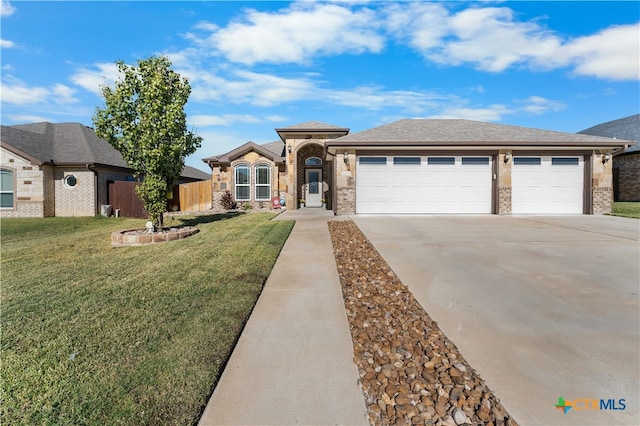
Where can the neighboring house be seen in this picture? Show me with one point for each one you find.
(626, 164)
(60, 170)
(423, 166)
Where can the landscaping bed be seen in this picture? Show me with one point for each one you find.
(139, 237)
(410, 372)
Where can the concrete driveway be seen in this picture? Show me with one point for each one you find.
(541, 307)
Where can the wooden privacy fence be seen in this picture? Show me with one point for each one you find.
(123, 197)
(187, 197)
(195, 196)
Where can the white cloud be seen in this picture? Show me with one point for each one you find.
(487, 37)
(206, 26)
(377, 98)
(613, 53)
(26, 118)
(458, 108)
(296, 34)
(7, 44)
(63, 94)
(92, 79)
(492, 39)
(17, 93)
(494, 112)
(242, 86)
(6, 9)
(538, 105)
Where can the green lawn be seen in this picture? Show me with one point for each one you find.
(139, 335)
(626, 209)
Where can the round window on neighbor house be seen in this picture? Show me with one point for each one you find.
(70, 181)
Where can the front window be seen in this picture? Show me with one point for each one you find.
(243, 182)
(6, 188)
(313, 161)
(263, 182)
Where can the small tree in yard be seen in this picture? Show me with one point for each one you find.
(144, 119)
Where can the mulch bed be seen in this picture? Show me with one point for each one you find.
(410, 372)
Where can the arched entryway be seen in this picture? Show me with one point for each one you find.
(313, 176)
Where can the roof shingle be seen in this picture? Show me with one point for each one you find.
(457, 131)
(627, 128)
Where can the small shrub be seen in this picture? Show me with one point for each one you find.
(247, 206)
(227, 201)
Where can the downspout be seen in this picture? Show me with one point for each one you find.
(95, 188)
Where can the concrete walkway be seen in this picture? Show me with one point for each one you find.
(293, 363)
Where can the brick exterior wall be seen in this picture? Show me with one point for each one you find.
(223, 180)
(39, 191)
(601, 199)
(28, 186)
(49, 191)
(504, 200)
(345, 184)
(601, 185)
(627, 168)
(79, 200)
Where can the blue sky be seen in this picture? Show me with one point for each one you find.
(256, 66)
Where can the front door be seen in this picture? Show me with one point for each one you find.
(313, 187)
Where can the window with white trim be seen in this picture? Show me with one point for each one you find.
(263, 182)
(6, 188)
(243, 182)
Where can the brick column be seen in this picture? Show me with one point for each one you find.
(504, 184)
(601, 185)
(345, 183)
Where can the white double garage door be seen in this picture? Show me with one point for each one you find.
(464, 184)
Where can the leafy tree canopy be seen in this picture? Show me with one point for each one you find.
(144, 119)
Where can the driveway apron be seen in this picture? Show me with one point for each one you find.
(293, 363)
(541, 307)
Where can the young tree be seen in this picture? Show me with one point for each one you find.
(144, 119)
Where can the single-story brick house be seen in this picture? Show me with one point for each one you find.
(60, 170)
(423, 166)
(626, 164)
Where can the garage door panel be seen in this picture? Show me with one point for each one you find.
(421, 187)
(555, 185)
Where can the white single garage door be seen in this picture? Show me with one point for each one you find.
(425, 184)
(547, 185)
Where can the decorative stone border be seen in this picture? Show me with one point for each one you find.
(137, 237)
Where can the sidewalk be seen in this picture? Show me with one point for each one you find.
(293, 363)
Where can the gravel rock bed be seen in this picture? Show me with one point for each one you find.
(410, 372)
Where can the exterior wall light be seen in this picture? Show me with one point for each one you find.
(507, 157)
(289, 149)
(606, 157)
(345, 155)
